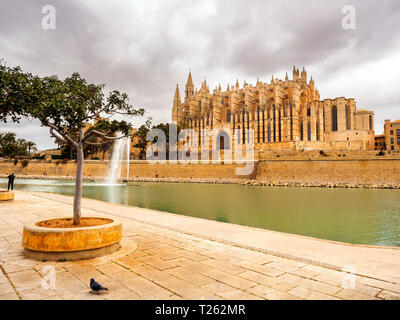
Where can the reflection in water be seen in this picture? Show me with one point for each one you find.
(367, 216)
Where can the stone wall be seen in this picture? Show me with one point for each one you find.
(137, 169)
(327, 171)
(274, 170)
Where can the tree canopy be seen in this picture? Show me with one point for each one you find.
(11, 146)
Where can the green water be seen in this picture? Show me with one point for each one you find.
(364, 216)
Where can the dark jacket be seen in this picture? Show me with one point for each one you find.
(11, 178)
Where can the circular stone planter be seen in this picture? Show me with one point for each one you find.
(6, 195)
(60, 244)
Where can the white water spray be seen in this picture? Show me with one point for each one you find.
(120, 154)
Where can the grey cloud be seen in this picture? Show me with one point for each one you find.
(145, 48)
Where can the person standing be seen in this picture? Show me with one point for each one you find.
(11, 178)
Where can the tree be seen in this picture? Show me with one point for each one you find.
(140, 138)
(31, 147)
(168, 128)
(65, 107)
(12, 147)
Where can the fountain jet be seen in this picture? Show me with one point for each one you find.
(120, 154)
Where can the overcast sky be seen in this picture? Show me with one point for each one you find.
(145, 47)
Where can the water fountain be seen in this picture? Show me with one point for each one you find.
(120, 154)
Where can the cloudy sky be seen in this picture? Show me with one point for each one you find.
(145, 47)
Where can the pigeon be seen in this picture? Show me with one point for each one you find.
(95, 286)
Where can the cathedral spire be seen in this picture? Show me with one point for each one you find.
(190, 81)
(295, 73)
(304, 75)
(176, 108)
(189, 90)
(177, 97)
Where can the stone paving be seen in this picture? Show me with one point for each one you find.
(158, 263)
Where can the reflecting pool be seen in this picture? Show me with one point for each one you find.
(364, 216)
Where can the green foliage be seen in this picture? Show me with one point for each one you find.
(141, 134)
(25, 163)
(11, 146)
(38, 157)
(140, 138)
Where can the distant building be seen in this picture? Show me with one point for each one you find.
(380, 142)
(392, 134)
(283, 114)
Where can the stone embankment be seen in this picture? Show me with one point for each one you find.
(248, 182)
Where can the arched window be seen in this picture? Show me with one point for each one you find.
(370, 123)
(223, 142)
(263, 124)
(309, 131)
(269, 133)
(244, 128)
(274, 123)
(334, 119)
(301, 130)
(228, 116)
(258, 125)
(308, 112)
(200, 106)
(347, 110)
(248, 128)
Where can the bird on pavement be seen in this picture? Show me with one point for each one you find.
(95, 286)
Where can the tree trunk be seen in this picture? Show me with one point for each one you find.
(78, 184)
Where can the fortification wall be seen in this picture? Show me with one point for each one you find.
(137, 169)
(327, 171)
(273, 170)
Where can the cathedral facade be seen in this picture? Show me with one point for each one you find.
(280, 115)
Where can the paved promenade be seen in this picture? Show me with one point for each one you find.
(168, 256)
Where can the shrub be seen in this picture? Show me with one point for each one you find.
(56, 157)
(38, 157)
(15, 161)
(64, 161)
(25, 163)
